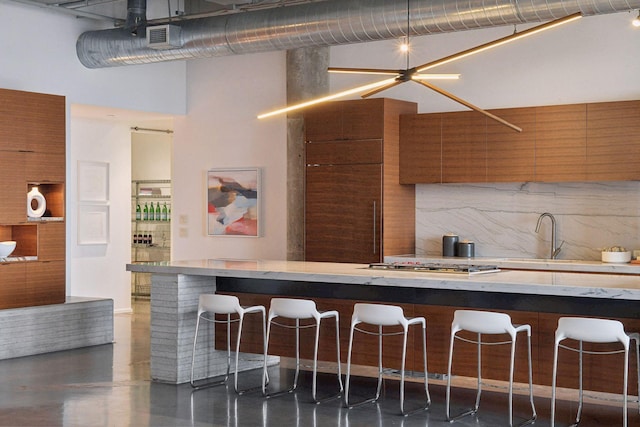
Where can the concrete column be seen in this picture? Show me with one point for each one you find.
(307, 78)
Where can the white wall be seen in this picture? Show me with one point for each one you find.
(221, 130)
(151, 155)
(37, 51)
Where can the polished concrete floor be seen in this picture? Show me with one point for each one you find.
(109, 386)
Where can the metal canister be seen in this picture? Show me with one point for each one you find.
(465, 249)
(449, 243)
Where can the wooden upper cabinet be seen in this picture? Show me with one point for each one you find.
(511, 154)
(420, 148)
(351, 120)
(464, 147)
(362, 151)
(47, 133)
(561, 143)
(613, 141)
(32, 122)
(13, 191)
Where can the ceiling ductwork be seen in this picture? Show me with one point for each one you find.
(328, 23)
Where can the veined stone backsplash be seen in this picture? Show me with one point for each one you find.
(501, 218)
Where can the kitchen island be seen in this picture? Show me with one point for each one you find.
(534, 297)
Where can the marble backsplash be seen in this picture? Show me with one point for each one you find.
(501, 218)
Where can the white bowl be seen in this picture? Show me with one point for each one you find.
(6, 248)
(620, 257)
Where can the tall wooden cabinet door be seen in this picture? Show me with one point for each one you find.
(51, 241)
(464, 147)
(613, 141)
(420, 148)
(12, 277)
(45, 283)
(510, 154)
(561, 143)
(13, 191)
(342, 213)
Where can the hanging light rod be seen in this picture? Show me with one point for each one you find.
(414, 74)
(139, 129)
(499, 42)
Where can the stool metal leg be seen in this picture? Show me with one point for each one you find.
(348, 379)
(297, 371)
(315, 364)
(205, 384)
(402, 371)
(235, 376)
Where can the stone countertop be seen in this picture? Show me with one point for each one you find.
(558, 265)
(576, 284)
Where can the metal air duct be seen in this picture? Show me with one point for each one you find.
(328, 23)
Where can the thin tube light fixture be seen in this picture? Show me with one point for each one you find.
(499, 42)
(306, 104)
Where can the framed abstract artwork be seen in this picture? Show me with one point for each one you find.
(233, 202)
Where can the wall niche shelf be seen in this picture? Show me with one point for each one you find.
(25, 236)
(54, 196)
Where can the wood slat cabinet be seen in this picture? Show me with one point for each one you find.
(613, 141)
(560, 143)
(356, 210)
(32, 153)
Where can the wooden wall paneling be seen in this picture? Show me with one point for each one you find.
(46, 129)
(45, 167)
(15, 109)
(51, 241)
(561, 143)
(45, 283)
(420, 148)
(343, 198)
(464, 147)
(13, 191)
(363, 118)
(344, 152)
(12, 282)
(398, 200)
(613, 141)
(323, 122)
(511, 154)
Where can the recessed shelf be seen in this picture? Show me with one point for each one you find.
(54, 196)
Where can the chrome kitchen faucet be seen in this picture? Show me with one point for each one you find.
(554, 251)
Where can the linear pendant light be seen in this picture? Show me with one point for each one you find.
(415, 74)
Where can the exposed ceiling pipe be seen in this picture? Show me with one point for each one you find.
(136, 17)
(328, 23)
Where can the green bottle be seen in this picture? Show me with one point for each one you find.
(164, 212)
(145, 212)
(138, 213)
(158, 211)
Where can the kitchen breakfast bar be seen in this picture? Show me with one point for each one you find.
(538, 298)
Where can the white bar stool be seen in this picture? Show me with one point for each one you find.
(386, 315)
(585, 329)
(300, 309)
(486, 322)
(635, 336)
(208, 306)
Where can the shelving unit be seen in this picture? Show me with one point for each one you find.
(150, 238)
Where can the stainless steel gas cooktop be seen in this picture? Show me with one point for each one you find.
(435, 267)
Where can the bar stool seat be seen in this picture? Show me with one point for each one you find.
(208, 306)
(301, 309)
(486, 322)
(386, 315)
(592, 330)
